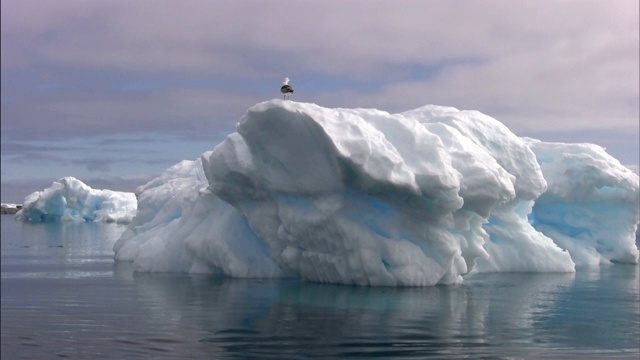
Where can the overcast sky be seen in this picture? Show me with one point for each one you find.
(114, 92)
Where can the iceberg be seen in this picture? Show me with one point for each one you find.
(69, 199)
(591, 205)
(10, 208)
(365, 197)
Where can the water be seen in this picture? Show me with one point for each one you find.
(63, 296)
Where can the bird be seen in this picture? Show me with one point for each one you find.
(286, 89)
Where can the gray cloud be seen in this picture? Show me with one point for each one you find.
(95, 165)
(10, 148)
(537, 59)
(74, 68)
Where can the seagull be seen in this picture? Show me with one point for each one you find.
(286, 89)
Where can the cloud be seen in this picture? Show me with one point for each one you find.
(103, 164)
(333, 38)
(527, 59)
(95, 165)
(171, 110)
(82, 69)
(11, 148)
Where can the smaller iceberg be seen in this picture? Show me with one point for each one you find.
(9, 208)
(70, 199)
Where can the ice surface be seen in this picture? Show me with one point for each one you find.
(361, 196)
(71, 199)
(502, 195)
(591, 205)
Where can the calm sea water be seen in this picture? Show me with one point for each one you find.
(63, 296)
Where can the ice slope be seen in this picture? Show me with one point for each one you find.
(71, 199)
(181, 226)
(361, 196)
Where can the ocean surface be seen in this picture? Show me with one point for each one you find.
(63, 296)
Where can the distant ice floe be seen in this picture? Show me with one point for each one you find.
(70, 199)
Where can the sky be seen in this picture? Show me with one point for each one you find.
(115, 92)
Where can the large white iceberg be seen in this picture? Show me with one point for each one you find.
(361, 196)
(69, 199)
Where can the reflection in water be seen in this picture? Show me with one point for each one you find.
(63, 294)
(80, 240)
(63, 249)
(525, 314)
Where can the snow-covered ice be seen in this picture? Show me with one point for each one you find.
(70, 199)
(591, 205)
(361, 196)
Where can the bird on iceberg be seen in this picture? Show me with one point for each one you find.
(286, 89)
